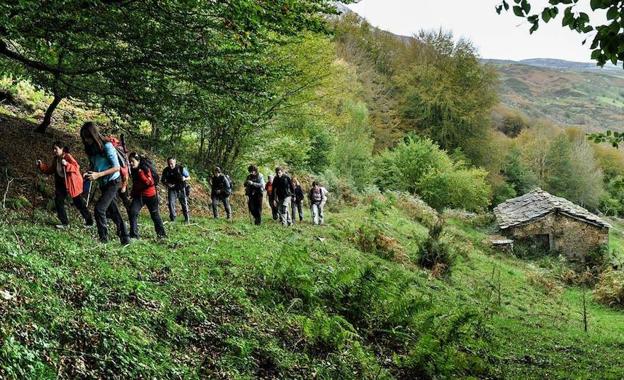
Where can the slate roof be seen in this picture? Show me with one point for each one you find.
(537, 204)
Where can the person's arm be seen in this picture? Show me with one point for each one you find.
(164, 177)
(45, 168)
(71, 165)
(145, 176)
(111, 156)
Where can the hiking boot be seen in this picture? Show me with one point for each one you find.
(62, 226)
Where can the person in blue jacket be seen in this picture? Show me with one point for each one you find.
(105, 169)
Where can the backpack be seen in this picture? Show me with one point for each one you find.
(152, 168)
(316, 197)
(121, 152)
(230, 188)
(122, 157)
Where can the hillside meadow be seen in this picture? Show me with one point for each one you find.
(345, 300)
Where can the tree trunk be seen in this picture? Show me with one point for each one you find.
(48, 114)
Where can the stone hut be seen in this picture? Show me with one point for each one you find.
(552, 223)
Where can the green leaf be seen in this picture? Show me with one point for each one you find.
(518, 11)
(546, 15)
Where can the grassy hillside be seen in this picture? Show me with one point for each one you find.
(231, 300)
(592, 100)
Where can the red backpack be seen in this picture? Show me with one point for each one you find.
(122, 156)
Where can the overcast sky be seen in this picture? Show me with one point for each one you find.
(503, 37)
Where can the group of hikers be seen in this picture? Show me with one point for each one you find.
(113, 170)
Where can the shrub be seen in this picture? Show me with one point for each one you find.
(404, 167)
(419, 166)
(327, 333)
(610, 288)
(461, 188)
(435, 253)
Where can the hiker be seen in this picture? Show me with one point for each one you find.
(124, 171)
(221, 189)
(105, 169)
(283, 191)
(67, 181)
(175, 177)
(144, 192)
(318, 198)
(254, 187)
(271, 196)
(297, 201)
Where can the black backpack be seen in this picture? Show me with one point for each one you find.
(152, 168)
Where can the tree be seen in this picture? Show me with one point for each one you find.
(132, 56)
(448, 94)
(573, 172)
(517, 174)
(608, 41)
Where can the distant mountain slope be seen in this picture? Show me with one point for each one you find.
(560, 64)
(567, 93)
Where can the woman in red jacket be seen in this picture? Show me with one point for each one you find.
(143, 193)
(67, 181)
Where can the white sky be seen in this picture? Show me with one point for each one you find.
(502, 37)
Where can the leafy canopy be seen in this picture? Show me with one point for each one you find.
(134, 56)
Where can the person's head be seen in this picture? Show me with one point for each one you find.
(134, 159)
(295, 181)
(315, 184)
(58, 149)
(279, 172)
(171, 162)
(270, 178)
(252, 169)
(216, 171)
(91, 138)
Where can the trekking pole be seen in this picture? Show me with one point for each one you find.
(89, 194)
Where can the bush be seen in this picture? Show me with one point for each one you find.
(404, 167)
(463, 188)
(435, 253)
(610, 288)
(419, 166)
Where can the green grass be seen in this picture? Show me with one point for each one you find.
(231, 300)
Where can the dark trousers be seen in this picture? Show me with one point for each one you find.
(105, 207)
(125, 199)
(60, 194)
(274, 208)
(255, 208)
(174, 195)
(297, 208)
(152, 206)
(226, 205)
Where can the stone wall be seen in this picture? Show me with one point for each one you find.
(572, 237)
